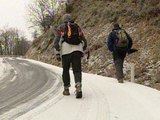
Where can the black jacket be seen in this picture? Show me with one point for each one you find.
(112, 39)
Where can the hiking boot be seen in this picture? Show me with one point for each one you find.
(120, 80)
(66, 91)
(78, 91)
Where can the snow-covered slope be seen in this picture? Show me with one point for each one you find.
(103, 99)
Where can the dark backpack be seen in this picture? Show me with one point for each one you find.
(122, 40)
(71, 34)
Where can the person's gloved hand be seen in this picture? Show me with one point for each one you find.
(58, 57)
(58, 49)
(86, 53)
(84, 48)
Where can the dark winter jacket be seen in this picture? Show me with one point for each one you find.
(112, 40)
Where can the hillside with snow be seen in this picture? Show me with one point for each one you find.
(140, 18)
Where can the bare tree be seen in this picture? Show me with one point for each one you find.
(41, 13)
(12, 43)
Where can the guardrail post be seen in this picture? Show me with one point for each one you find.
(132, 72)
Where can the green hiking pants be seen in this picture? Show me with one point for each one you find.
(118, 57)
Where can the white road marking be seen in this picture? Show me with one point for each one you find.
(13, 79)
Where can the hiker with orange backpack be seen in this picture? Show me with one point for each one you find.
(70, 44)
(119, 43)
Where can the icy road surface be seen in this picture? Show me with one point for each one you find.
(103, 99)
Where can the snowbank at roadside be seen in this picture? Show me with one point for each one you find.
(103, 99)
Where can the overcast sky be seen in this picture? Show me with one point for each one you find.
(13, 14)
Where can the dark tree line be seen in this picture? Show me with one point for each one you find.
(12, 42)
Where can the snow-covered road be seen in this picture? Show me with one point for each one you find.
(103, 99)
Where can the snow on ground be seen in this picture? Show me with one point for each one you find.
(4, 70)
(2, 67)
(103, 99)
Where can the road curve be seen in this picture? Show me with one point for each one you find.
(22, 83)
(103, 99)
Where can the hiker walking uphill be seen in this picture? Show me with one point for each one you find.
(70, 44)
(119, 42)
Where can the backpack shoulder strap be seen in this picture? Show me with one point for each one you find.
(121, 34)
